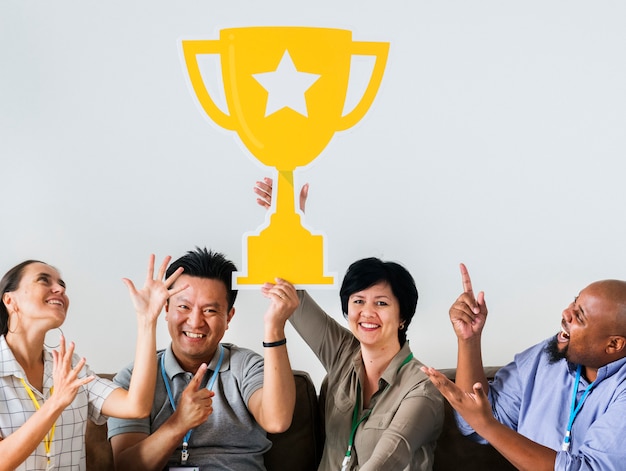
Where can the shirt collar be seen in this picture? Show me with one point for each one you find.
(610, 369)
(173, 368)
(9, 365)
(392, 370)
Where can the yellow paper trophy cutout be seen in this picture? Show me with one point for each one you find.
(285, 89)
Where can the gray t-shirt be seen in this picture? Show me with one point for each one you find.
(230, 439)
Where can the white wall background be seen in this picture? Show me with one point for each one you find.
(497, 139)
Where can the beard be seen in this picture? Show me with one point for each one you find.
(554, 353)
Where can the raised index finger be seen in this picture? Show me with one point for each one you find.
(195, 382)
(467, 281)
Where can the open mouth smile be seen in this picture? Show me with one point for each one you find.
(369, 326)
(193, 335)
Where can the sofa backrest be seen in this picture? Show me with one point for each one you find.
(300, 447)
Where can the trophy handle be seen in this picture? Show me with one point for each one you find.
(380, 50)
(191, 49)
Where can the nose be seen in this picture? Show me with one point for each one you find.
(195, 317)
(568, 313)
(58, 288)
(368, 309)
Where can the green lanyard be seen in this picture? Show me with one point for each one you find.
(355, 417)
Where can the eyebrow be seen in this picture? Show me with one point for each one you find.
(380, 296)
(185, 300)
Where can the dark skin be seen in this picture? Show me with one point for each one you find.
(593, 335)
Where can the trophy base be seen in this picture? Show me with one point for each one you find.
(295, 255)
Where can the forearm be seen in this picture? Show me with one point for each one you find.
(18, 446)
(143, 379)
(522, 452)
(150, 453)
(391, 452)
(137, 400)
(325, 336)
(148, 303)
(469, 370)
(309, 321)
(279, 390)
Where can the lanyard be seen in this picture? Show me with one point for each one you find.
(355, 417)
(47, 440)
(184, 454)
(575, 408)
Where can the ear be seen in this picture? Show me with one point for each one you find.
(617, 345)
(7, 299)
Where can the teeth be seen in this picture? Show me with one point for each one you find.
(369, 326)
(194, 336)
(54, 301)
(564, 334)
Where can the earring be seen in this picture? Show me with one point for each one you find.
(14, 314)
(57, 346)
(402, 326)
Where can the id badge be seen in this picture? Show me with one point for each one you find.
(183, 468)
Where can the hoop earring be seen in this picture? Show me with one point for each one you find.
(15, 314)
(59, 344)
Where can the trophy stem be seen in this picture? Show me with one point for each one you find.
(284, 249)
(285, 198)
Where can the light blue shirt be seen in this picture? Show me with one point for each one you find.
(533, 397)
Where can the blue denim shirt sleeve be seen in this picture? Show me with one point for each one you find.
(533, 396)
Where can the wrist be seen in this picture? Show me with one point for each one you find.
(274, 333)
(469, 342)
(146, 322)
(178, 427)
(276, 343)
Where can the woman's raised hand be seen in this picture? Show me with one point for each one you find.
(150, 300)
(66, 380)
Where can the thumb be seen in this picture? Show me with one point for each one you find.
(130, 285)
(481, 300)
(479, 392)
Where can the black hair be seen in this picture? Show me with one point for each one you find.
(369, 271)
(205, 263)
